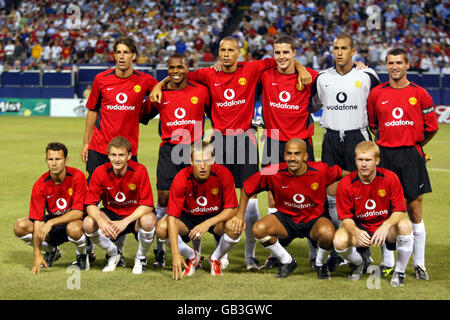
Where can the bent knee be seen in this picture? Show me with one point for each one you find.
(405, 227)
(341, 240)
(259, 230)
(23, 226)
(147, 222)
(161, 229)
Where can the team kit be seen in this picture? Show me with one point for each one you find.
(360, 195)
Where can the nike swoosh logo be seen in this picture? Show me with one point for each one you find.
(48, 197)
(166, 102)
(421, 186)
(108, 89)
(217, 84)
(109, 188)
(384, 102)
(357, 198)
(274, 83)
(284, 187)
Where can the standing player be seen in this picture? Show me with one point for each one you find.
(403, 119)
(371, 206)
(114, 108)
(343, 91)
(202, 199)
(60, 192)
(299, 189)
(124, 187)
(181, 110)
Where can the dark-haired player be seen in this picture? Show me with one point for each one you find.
(124, 188)
(182, 110)
(299, 190)
(56, 210)
(202, 199)
(403, 119)
(114, 108)
(373, 213)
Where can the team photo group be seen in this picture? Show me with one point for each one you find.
(361, 195)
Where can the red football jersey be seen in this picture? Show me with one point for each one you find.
(208, 198)
(303, 196)
(370, 204)
(232, 94)
(182, 113)
(401, 115)
(118, 102)
(58, 199)
(120, 195)
(285, 107)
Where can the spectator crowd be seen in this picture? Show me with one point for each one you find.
(43, 34)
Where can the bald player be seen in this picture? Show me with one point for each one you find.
(299, 189)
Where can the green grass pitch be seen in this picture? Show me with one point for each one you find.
(23, 142)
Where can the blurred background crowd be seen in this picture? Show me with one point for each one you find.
(44, 34)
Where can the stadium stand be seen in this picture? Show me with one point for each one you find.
(42, 36)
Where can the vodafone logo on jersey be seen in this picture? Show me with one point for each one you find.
(121, 99)
(397, 114)
(284, 97)
(371, 205)
(202, 202)
(229, 95)
(121, 200)
(179, 113)
(61, 203)
(62, 206)
(299, 200)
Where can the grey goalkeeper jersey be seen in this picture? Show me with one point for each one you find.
(344, 97)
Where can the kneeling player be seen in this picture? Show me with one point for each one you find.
(60, 192)
(372, 210)
(124, 187)
(299, 189)
(202, 199)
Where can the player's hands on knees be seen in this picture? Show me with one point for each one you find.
(84, 153)
(379, 236)
(177, 266)
(363, 239)
(38, 261)
(119, 226)
(108, 229)
(237, 225)
(199, 230)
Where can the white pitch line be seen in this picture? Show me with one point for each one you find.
(439, 169)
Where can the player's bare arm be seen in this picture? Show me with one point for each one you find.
(428, 136)
(105, 225)
(237, 223)
(140, 211)
(380, 235)
(177, 259)
(304, 77)
(156, 94)
(91, 117)
(361, 236)
(332, 188)
(199, 230)
(38, 260)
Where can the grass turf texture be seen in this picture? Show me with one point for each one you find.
(23, 142)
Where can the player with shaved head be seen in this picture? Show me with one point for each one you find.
(299, 187)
